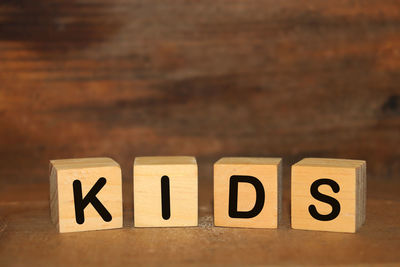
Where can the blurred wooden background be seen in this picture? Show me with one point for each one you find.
(205, 78)
(122, 78)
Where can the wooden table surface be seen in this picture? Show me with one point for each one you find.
(28, 237)
(213, 78)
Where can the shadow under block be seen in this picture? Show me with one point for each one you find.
(103, 174)
(268, 171)
(350, 177)
(171, 205)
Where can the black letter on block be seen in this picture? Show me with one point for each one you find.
(80, 204)
(165, 198)
(324, 198)
(233, 196)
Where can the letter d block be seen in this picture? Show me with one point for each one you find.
(85, 194)
(247, 192)
(328, 194)
(165, 192)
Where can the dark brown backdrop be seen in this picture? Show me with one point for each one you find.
(204, 78)
(207, 78)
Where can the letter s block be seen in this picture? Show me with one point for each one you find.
(85, 194)
(328, 194)
(247, 192)
(165, 192)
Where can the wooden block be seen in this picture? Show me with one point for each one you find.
(328, 194)
(165, 191)
(247, 192)
(85, 194)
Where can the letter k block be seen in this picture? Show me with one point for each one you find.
(85, 194)
(247, 192)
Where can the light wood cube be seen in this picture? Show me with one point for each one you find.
(328, 194)
(247, 192)
(85, 194)
(165, 191)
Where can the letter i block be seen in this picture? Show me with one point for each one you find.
(165, 191)
(85, 194)
(247, 192)
(328, 194)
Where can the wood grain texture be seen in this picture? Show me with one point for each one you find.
(25, 220)
(122, 78)
(350, 177)
(127, 78)
(268, 171)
